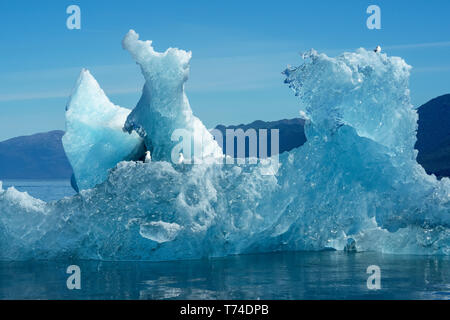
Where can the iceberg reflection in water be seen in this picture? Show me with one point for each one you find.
(294, 275)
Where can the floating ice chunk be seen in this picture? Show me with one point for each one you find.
(94, 140)
(24, 199)
(164, 106)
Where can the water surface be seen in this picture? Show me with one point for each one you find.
(294, 275)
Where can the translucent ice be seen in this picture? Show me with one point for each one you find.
(159, 231)
(364, 90)
(355, 181)
(164, 106)
(94, 141)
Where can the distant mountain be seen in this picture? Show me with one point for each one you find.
(433, 136)
(291, 133)
(39, 156)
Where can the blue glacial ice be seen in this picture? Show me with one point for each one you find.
(355, 180)
(164, 106)
(94, 141)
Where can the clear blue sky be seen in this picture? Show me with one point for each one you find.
(239, 50)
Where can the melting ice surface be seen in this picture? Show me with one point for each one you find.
(356, 179)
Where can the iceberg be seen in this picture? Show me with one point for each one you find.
(94, 141)
(355, 184)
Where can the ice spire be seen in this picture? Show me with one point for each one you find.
(164, 106)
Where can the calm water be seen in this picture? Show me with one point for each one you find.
(295, 275)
